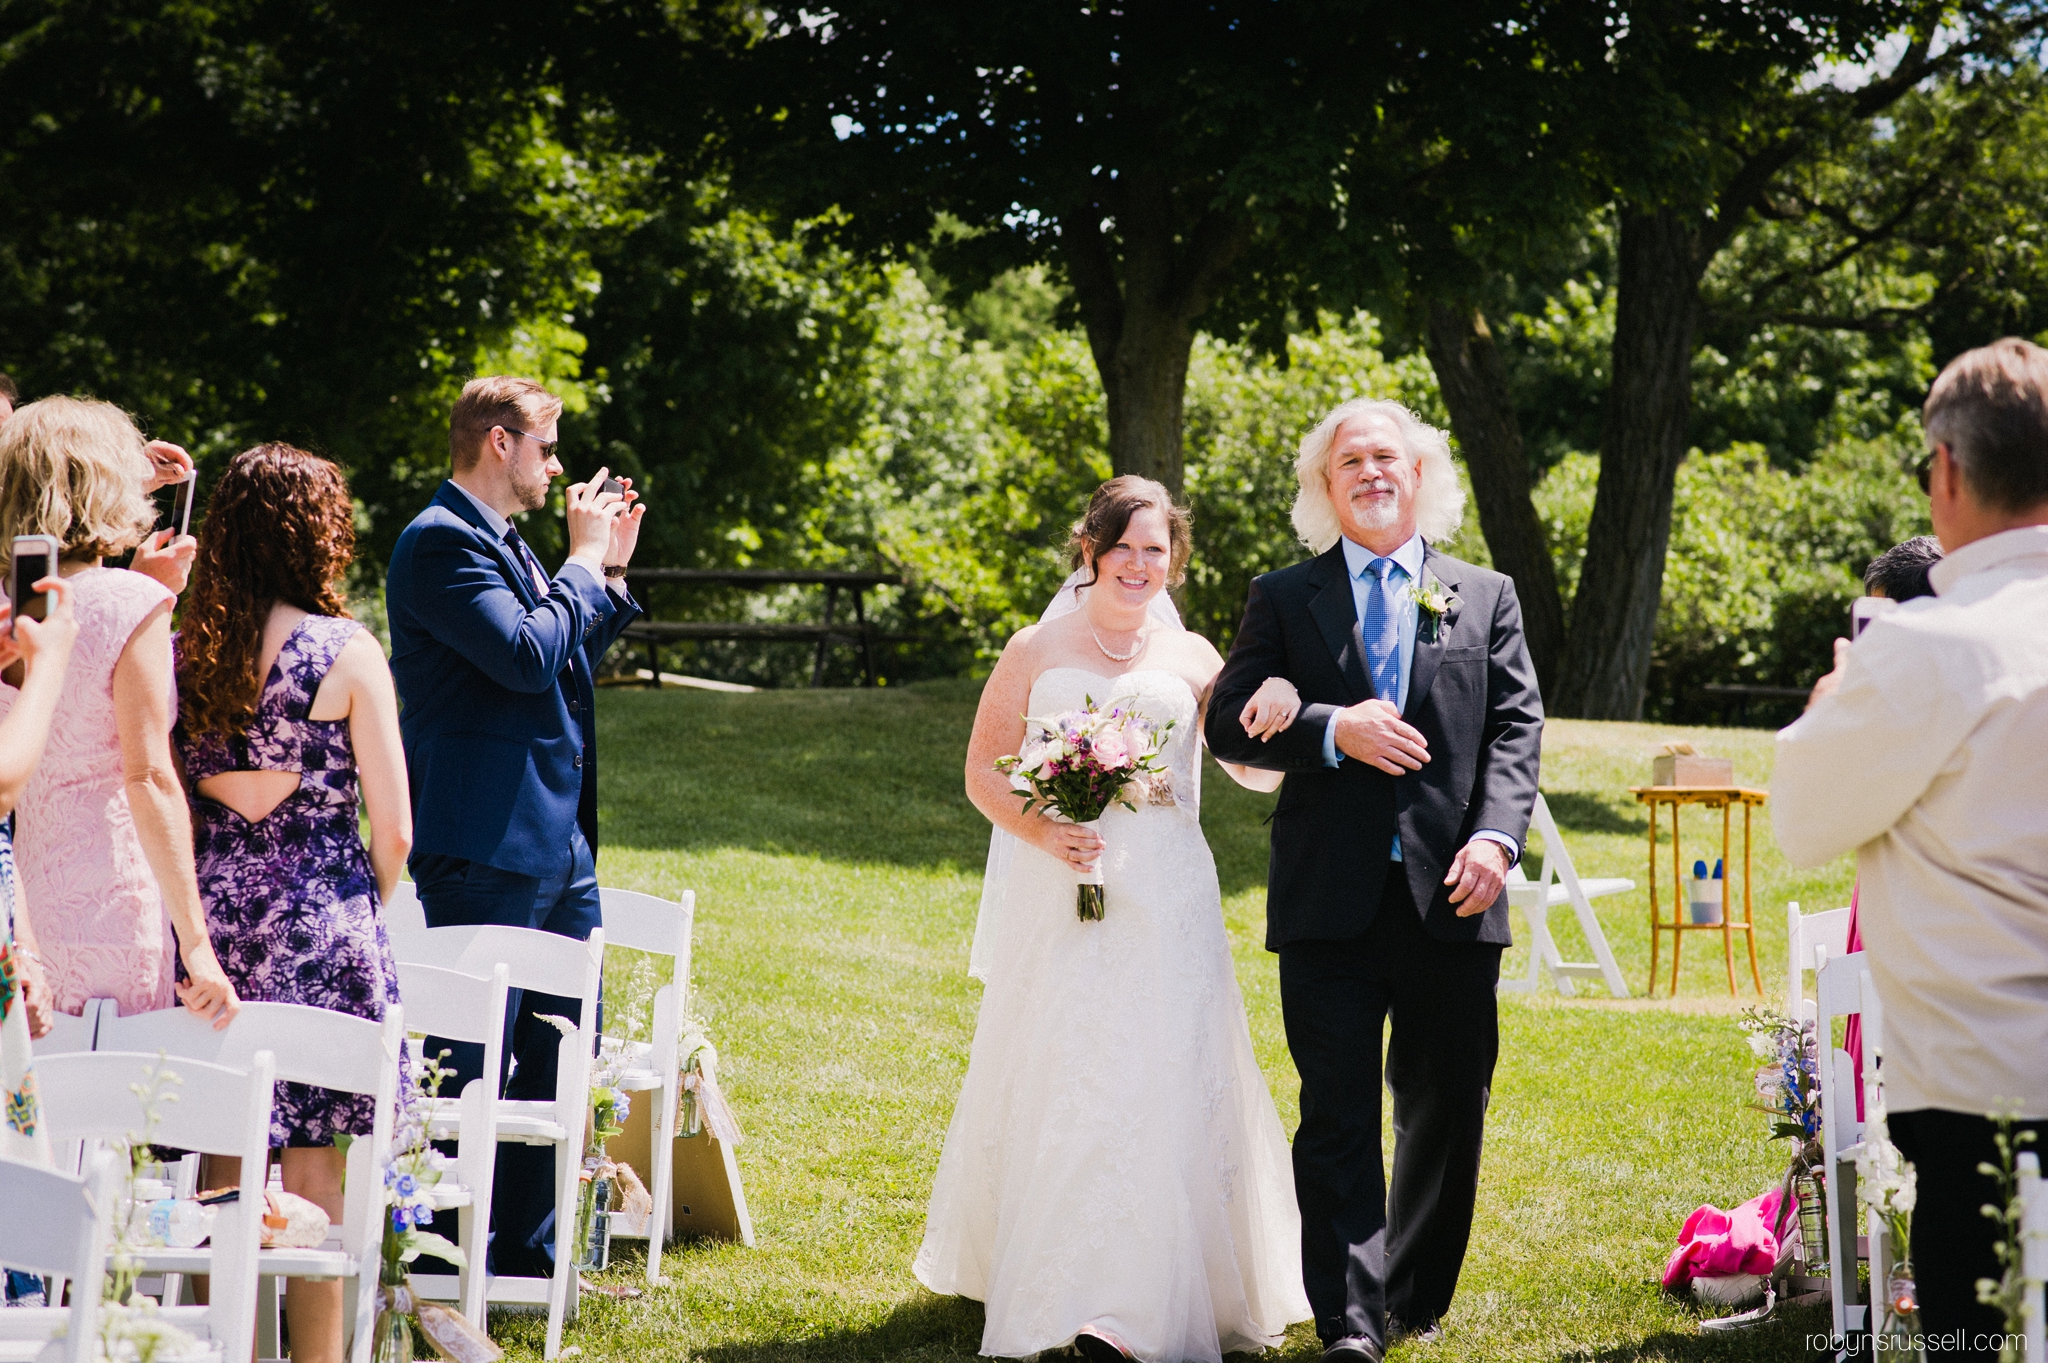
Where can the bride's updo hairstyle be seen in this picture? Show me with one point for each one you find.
(1109, 514)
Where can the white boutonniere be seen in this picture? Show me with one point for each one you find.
(1433, 606)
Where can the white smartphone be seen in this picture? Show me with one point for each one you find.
(179, 519)
(35, 558)
(1864, 609)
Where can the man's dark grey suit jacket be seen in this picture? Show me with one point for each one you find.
(1472, 693)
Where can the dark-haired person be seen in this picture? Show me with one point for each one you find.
(1900, 573)
(1925, 752)
(287, 724)
(1115, 1176)
(495, 660)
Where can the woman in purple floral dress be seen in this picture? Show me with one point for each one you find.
(287, 720)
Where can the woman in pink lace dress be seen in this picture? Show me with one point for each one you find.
(103, 840)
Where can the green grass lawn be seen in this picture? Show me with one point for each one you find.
(837, 868)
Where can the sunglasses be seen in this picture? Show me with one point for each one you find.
(1923, 472)
(547, 447)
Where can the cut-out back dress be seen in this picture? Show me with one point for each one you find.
(291, 899)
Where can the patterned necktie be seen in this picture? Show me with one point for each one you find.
(525, 555)
(1382, 633)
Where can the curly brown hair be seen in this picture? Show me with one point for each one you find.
(280, 528)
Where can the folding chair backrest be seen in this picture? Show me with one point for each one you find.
(1842, 986)
(70, 1034)
(403, 911)
(1557, 863)
(307, 1046)
(646, 922)
(310, 1045)
(2033, 1192)
(544, 961)
(64, 1226)
(217, 1111)
(455, 1004)
(661, 927)
(1804, 935)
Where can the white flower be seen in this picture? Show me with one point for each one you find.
(1761, 1044)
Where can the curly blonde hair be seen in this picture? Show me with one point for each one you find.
(75, 469)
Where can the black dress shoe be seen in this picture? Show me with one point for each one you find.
(1351, 1349)
(1100, 1346)
(1426, 1332)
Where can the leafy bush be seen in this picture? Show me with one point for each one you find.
(1762, 563)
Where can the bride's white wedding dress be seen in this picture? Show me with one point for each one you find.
(1115, 1158)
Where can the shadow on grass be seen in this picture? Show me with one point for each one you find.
(1785, 1336)
(925, 1327)
(1578, 812)
(844, 775)
(868, 776)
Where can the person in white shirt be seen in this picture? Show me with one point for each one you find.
(1925, 752)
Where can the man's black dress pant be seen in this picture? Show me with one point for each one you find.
(1954, 1243)
(1368, 1251)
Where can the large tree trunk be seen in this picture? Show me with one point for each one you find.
(1474, 384)
(1145, 377)
(1642, 442)
(1139, 304)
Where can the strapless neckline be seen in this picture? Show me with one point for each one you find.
(1117, 676)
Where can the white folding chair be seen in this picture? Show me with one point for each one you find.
(68, 1034)
(458, 1007)
(219, 1111)
(2034, 1251)
(1843, 987)
(63, 1226)
(1561, 884)
(660, 927)
(1806, 934)
(546, 963)
(308, 1046)
(402, 912)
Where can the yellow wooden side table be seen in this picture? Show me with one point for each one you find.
(1724, 798)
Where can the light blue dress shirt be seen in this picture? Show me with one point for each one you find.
(1401, 580)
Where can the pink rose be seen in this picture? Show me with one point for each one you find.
(1111, 752)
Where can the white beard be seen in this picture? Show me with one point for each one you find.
(1382, 514)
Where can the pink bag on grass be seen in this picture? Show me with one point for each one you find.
(1717, 1244)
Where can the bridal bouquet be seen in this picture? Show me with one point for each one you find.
(1078, 764)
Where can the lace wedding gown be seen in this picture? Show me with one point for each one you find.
(1115, 1159)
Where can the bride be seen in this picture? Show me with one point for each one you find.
(1115, 1176)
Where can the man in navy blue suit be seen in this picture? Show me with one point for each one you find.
(494, 662)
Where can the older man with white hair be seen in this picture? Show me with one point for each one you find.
(1411, 773)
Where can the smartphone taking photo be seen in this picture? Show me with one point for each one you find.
(1864, 609)
(35, 558)
(178, 520)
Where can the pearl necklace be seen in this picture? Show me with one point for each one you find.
(1136, 648)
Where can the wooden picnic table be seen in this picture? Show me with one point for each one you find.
(825, 633)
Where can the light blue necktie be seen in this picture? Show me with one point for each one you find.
(1382, 632)
(1383, 646)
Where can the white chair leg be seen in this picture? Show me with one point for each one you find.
(269, 1338)
(662, 1131)
(568, 1167)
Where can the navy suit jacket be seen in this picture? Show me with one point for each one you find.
(1472, 693)
(495, 679)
